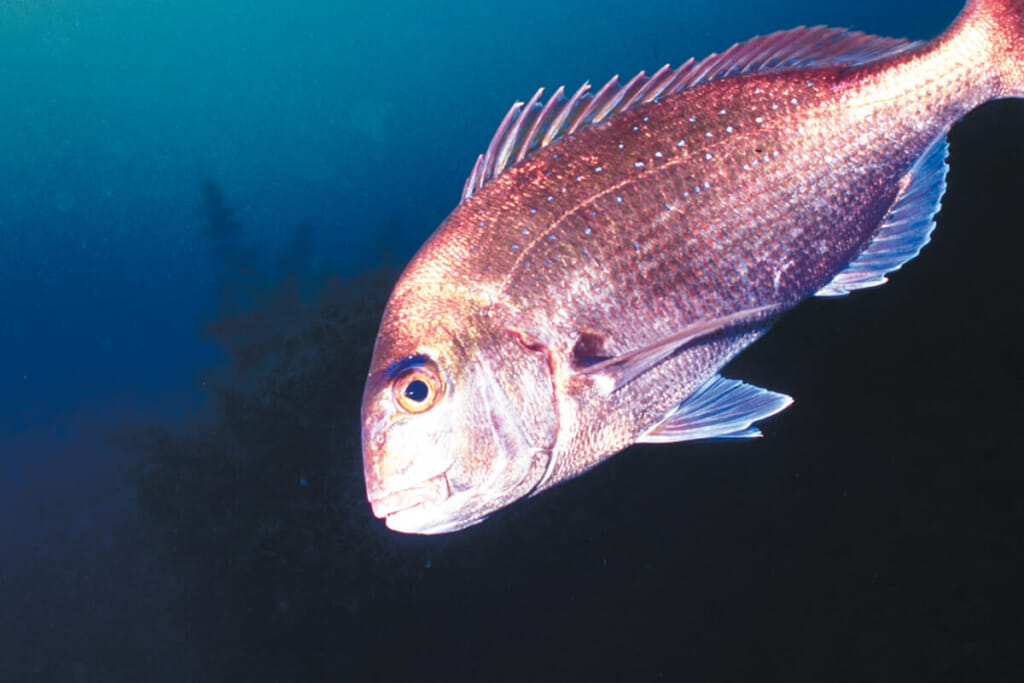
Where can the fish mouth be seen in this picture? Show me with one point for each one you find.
(432, 491)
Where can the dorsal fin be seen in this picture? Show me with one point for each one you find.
(527, 128)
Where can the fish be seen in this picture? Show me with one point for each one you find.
(613, 249)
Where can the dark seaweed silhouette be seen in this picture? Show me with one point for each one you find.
(265, 495)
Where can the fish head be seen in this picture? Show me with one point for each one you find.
(457, 415)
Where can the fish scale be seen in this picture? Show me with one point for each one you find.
(696, 248)
(613, 251)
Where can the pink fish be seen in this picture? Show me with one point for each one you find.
(615, 249)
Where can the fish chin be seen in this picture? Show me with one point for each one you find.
(424, 510)
(428, 519)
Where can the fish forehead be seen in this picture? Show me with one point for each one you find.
(437, 300)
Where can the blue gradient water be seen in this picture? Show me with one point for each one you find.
(361, 120)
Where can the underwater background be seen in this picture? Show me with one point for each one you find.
(203, 206)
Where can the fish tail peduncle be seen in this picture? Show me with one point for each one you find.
(994, 31)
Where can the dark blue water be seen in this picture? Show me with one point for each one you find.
(192, 194)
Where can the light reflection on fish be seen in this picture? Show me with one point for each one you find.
(613, 250)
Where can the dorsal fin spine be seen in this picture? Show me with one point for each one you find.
(514, 138)
(615, 97)
(598, 99)
(531, 106)
(651, 86)
(633, 87)
(679, 76)
(558, 118)
(474, 180)
(503, 153)
(499, 137)
(710, 66)
(544, 115)
(573, 123)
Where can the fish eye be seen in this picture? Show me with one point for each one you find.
(417, 389)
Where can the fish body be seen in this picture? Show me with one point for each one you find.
(614, 250)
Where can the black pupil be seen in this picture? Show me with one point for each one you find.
(417, 390)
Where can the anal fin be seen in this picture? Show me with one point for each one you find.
(722, 408)
(904, 231)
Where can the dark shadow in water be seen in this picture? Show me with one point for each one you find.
(260, 506)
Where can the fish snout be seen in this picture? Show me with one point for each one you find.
(376, 467)
(395, 478)
(382, 467)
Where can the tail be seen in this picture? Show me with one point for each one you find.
(994, 31)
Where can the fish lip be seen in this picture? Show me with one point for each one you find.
(418, 520)
(432, 491)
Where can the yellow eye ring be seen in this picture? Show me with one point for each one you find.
(417, 390)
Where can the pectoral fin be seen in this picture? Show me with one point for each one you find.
(722, 408)
(619, 370)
